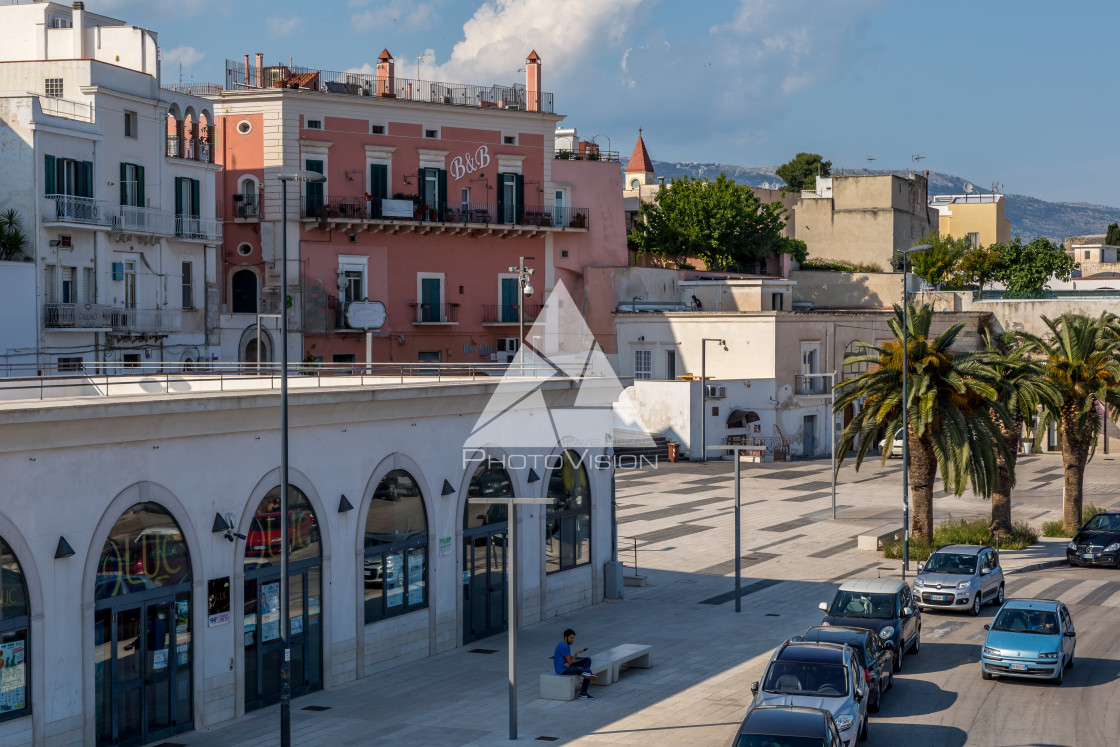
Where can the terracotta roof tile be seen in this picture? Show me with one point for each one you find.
(639, 159)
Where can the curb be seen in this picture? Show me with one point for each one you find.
(1036, 566)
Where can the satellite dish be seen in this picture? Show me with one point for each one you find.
(968, 188)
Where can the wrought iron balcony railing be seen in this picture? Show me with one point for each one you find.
(494, 313)
(75, 315)
(247, 205)
(145, 321)
(435, 313)
(193, 227)
(74, 209)
(357, 207)
(144, 220)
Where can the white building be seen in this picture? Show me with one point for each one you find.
(117, 569)
(113, 178)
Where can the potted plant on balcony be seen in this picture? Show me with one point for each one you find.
(579, 220)
(546, 219)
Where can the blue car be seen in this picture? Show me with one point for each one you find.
(1031, 638)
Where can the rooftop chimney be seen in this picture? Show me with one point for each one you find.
(79, 33)
(533, 82)
(259, 82)
(386, 75)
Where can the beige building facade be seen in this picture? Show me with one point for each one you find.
(981, 218)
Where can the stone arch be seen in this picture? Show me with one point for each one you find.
(35, 601)
(247, 346)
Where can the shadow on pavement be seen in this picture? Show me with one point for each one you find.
(892, 735)
(921, 699)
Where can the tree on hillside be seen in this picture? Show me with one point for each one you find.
(953, 411)
(1112, 237)
(720, 222)
(935, 265)
(802, 172)
(1078, 359)
(1026, 268)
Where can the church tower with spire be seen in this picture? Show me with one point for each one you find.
(639, 171)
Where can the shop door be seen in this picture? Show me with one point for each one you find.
(262, 636)
(484, 582)
(143, 671)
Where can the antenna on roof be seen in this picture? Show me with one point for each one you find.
(968, 188)
(420, 57)
(996, 187)
(916, 158)
(869, 160)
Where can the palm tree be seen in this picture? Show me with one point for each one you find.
(952, 410)
(1024, 387)
(1078, 357)
(13, 240)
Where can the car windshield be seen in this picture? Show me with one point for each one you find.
(862, 604)
(1104, 522)
(763, 740)
(806, 678)
(1041, 622)
(951, 562)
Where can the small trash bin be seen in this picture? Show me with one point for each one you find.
(673, 450)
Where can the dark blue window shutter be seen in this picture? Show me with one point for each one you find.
(50, 183)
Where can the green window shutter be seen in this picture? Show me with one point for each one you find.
(519, 190)
(501, 196)
(178, 195)
(442, 187)
(195, 195)
(140, 201)
(50, 185)
(313, 193)
(378, 181)
(87, 179)
(124, 188)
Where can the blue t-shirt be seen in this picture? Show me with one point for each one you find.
(558, 657)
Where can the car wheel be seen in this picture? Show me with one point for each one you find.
(890, 682)
(976, 604)
(999, 596)
(985, 675)
(917, 644)
(1069, 664)
(863, 731)
(873, 704)
(1060, 675)
(898, 654)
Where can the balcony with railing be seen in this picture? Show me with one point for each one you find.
(810, 385)
(144, 220)
(80, 111)
(240, 78)
(356, 212)
(145, 321)
(435, 313)
(76, 316)
(193, 227)
(189, 149)
(247, 206)
(507, 313)
(74, 209)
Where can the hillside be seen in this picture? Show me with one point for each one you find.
(1029, 216)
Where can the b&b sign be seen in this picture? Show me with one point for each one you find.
(469, 163)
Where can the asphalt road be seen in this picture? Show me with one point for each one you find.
(939, 699)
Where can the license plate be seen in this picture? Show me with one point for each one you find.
(1018, 667)
(937, 597)
(1088, 556)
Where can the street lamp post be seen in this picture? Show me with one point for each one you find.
(704, 393)
(905, 409)
(511, 594)
(310, 177)
(524, 290)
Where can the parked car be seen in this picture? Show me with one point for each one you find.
(883, 605)
(895, 444)
(789, 726)
(818, 675)
(961, 577)
(1032, 638)
(1098, 542)
(874, 654)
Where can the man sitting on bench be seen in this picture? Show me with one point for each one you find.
(566, 662)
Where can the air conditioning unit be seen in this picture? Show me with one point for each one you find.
(65, 241)
(716, 391)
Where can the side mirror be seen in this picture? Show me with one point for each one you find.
(1071, 634)
(823, 606)
(797, 639)
(987, 627)
(857, 696)
(907, 611)
(754, 688)
(985, 571)
(921, 567)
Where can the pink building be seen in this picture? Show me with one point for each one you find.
(433, 192)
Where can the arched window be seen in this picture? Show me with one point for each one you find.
(567, 529)
(395, 567)
(262, 546)
(635, 183)
(244, 286)
(144, 550)
(14, 621)
(490, 480)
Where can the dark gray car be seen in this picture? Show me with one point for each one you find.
(959, 577)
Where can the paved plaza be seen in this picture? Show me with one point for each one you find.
(680, 519)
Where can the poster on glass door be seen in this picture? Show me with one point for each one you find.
(270, 611)
(13, 681)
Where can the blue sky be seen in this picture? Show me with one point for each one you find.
(1020, 92)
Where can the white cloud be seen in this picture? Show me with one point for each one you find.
(400, 15)
(181, 55)
(284, 26)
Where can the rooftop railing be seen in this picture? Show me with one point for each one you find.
(238, 78)
(67, 109)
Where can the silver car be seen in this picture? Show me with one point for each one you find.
(827, 676)
(959, 577)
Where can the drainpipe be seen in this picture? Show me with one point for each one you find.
(35, 214)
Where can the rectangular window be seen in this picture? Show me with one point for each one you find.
(131, 360)
(509, 302)
(777, 301)
(50, 282)
(974, 239)
(343, 358)
(810, 364)
(643, 364)
(431, 299)
(130, 124)
(378, 187)
(509, 140)
(1086, 254)
(65, 176)
(132, 185)
(671, 365)
(130, 284)
(354, 286)
(89, 288)
(69, 285)
(187, 204)
(313, 193)
(511, 198)
(433, 192)
(431, 134)
(188, 285)
(314, 124)
(465, 199)
(66, 365)
(53, 87)
(377, 129)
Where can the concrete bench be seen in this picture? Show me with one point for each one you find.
(637, 655)
(566, 686)
(873, 539)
